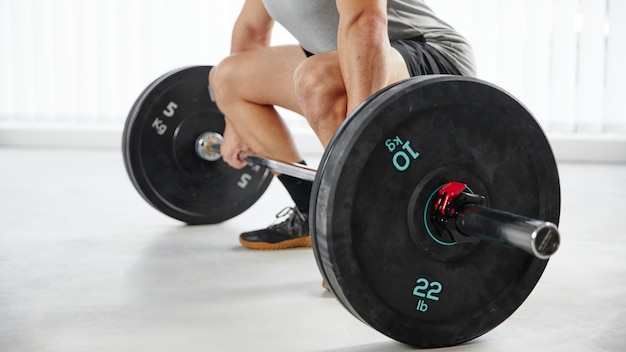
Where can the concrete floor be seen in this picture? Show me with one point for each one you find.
(87, 265)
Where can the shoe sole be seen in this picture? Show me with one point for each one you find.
(300, 242)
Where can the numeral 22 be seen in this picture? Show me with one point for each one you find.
(423, 284)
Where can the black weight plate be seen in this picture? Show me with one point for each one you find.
(161, 160)
(370, 224)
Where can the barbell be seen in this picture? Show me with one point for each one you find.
(433, 212)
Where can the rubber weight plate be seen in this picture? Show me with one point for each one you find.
(372, 201)
(161, 160)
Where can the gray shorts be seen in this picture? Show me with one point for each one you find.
(421, 58)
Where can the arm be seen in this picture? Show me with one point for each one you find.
(253, 27)
(363, 47)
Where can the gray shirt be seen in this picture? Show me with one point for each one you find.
(314, 23)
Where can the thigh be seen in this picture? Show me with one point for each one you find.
(263, 76)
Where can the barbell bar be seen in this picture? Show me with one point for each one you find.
(536, 237)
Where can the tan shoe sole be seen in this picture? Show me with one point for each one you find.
(304, 241)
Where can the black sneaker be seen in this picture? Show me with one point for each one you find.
(292, 232)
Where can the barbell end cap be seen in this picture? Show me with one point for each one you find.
(208, 146)
(546, 240)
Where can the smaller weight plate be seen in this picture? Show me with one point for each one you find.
(159, 152)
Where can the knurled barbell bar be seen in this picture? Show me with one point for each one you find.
(404, 249)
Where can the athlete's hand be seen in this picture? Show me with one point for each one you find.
(232, 147)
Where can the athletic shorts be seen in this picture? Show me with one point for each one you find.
(421, 58)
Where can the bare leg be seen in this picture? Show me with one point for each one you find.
(321, 91)
(247, 85)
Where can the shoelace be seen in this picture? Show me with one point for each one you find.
(290, 214)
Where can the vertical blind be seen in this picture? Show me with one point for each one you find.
(562, 58)
(83, 62)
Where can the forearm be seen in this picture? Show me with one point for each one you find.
(362, 45)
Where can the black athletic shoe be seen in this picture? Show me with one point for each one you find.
(292, 232)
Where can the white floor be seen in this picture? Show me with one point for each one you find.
(87, 265)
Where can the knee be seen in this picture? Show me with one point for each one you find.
(320, 92)
(222, 80)
(312, 81)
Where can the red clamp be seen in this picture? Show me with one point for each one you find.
(448, 194)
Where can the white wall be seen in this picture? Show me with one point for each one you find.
(78, 65)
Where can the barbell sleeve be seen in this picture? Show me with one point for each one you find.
(539, 238)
